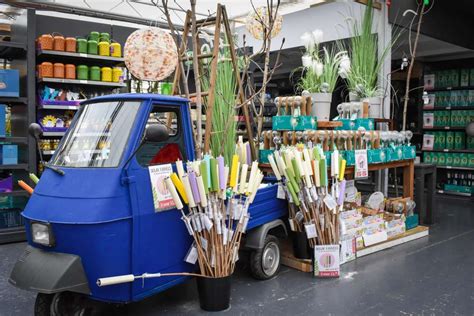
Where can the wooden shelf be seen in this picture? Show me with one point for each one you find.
(329, 124)
(83, 82)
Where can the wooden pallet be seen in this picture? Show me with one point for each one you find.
(289, 260)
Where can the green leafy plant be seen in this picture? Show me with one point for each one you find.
(224, 126)
(365, 62)
(320, 66)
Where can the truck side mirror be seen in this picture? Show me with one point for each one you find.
(35, 130)
(156, 133)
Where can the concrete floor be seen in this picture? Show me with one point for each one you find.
(430, 276)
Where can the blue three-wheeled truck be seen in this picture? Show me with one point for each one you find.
(92, 213)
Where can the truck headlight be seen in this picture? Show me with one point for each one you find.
(42, 234)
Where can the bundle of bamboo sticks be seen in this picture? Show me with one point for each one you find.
(217, 200)
(314, 201)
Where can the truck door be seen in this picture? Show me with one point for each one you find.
(160, 239)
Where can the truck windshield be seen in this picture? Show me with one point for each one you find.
(98, 135)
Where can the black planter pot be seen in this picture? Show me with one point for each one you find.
(214, 293)
(301, 248)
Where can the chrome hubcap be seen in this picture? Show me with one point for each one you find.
(270, 258)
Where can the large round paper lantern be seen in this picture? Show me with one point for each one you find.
(150, 54)
(254, 23)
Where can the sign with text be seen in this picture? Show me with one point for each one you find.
(326, 261)
(162, 199)
(361, 166)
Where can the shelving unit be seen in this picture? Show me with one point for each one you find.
(46, 53)
(12, 202)
(447, 94)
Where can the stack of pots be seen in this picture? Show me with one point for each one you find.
(375, 104)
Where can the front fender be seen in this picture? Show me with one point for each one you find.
(49, 272)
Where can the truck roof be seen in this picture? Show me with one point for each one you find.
(138, 96)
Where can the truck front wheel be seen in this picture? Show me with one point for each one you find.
(265, 262)
(64, 303)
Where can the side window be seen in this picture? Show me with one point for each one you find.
(170, 150)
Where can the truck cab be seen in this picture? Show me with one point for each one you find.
(92, 213)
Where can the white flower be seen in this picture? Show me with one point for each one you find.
(318, 36)
(342, 73)
(307, 61)
(345, 64)
(318, 68)
(307, 41)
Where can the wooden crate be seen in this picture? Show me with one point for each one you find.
(287, 258)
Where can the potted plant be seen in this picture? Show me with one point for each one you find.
(366, 60)
(320, 73)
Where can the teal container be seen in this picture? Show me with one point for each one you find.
(349, 156)
(94, 36)
(394, 154)
(376, 156)
(92, 47)
(411, 221)
(263, 155)
(367, 123)
(81, 45)
(82, 72)
(409, 152)
(104, 37)
(293, 123)
(94, 73)
(347, 125)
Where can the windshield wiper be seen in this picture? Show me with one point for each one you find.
(55, 169)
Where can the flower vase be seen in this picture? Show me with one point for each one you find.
(321, 105)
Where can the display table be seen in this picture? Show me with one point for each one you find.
(407, 165)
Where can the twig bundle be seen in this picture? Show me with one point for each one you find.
(217, 202)
(314, 202)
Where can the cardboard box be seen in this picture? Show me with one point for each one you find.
(9, 154)
(9, 83)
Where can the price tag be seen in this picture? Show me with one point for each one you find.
(310, 231)
(330, 202)
(281, 192)
(204, 243)
(361, 164)
(187, 224)
(299, 217)
(292, 224)
(82, 55)
(192, 255)
(82, 81)
(207, 222)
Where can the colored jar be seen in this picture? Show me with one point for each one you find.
(70, 44)
(116, 74)
(94, 36)
(45, 42)
(106, 74)
(82, 72)
(70, 72)
(115, 50)
(104, 37)
(104, 49)
(94, 73)
(81, 45)
(46, 69)
(92, 47)
(59, 43)
(58, 70)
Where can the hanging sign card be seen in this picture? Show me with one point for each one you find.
(162, 199)
(361, 164)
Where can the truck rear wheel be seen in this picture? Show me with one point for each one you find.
(64, 303)
(265, 262)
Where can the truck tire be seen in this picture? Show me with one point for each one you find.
(64, 303)
(265, 262)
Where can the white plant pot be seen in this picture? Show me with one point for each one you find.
(353, 97)
(375, 107)
(321, 105)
